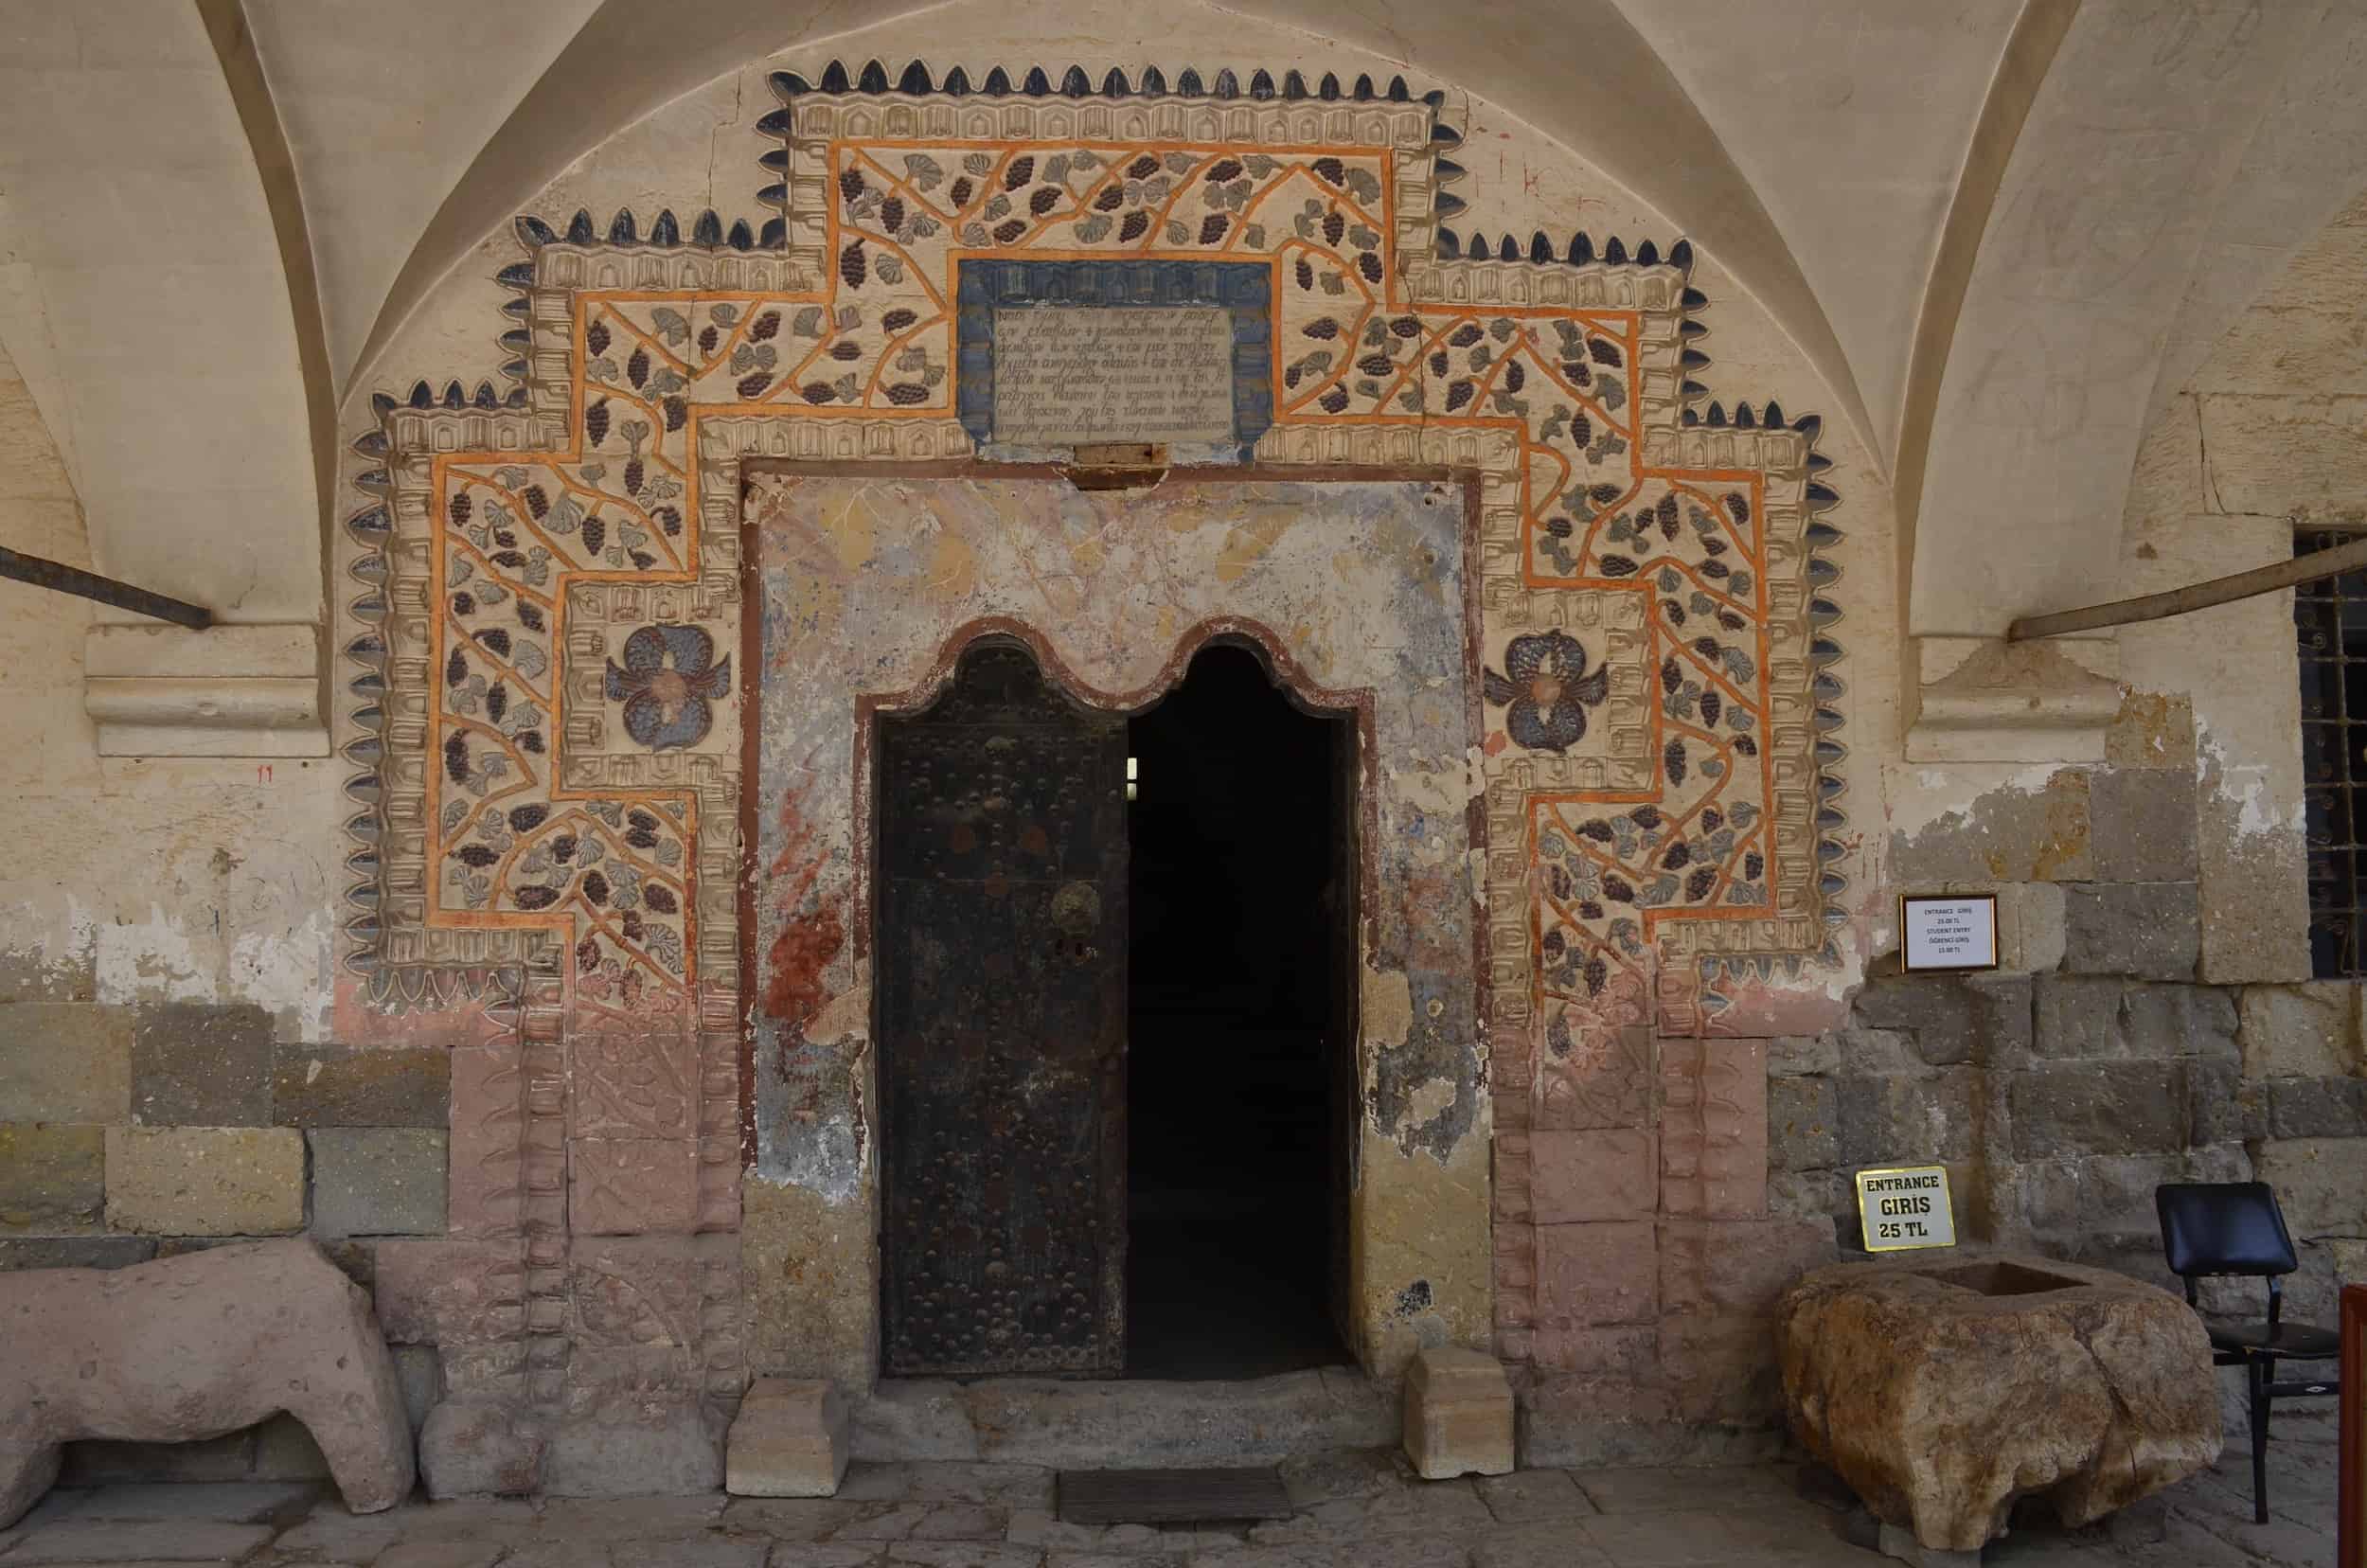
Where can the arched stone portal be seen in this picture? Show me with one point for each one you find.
(1625, 592)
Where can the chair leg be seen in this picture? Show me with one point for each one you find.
(2256, 1371)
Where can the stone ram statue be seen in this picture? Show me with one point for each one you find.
(194, 1346)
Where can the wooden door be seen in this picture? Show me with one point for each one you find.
(1001, 977)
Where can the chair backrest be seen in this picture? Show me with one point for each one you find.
(2223, 1228)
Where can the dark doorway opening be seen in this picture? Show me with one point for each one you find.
(1241, 1002)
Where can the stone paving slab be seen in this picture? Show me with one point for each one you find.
(114, 1541)
(1357, 1510)
(222, 1501)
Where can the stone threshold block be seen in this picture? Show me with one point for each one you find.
(1458, 1414)
(789, 1440)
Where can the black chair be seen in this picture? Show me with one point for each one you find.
(2218, 1228)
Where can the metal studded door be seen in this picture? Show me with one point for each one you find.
(1001, 977)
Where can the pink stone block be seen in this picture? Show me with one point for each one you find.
(1595, 1274)
(1629, 1354)
(1737, 1266)
(1712, 1134)
(484, 1183)
(1596, 1076)
(624, 1187)
(1611, 1174)
(719, 1181)
(448, 1291)
(634, 1079)
(648, 1291)
(1721, 1369)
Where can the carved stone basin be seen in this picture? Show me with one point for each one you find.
(1942, 1388)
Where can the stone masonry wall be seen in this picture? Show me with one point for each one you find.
(2061, 1088)
(133, 1131)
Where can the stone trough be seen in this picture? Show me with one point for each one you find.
(1944, 1388)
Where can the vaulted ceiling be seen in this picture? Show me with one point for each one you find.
(1999, 230)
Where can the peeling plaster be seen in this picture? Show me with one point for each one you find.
(2249, 787)
(156, 959)
(151, 961)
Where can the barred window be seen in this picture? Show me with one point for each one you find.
(2330, 620)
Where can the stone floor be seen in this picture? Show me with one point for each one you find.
(1356, 1511)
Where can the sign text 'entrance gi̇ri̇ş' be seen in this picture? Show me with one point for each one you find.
(1905, 1207)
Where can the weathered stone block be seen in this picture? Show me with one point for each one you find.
(2321, 1183)
(1803, 1123)
(1909, 1117)
(1820, 1195)
(1721, 1369)
(74, 1252)
(1595, 1274)
(1611, 1174)
(2086, 1015)
(2222, 1105)
(1802, 1055)
(1458, 1414)
(626, 1186)
(421, 1371)
(205, 1180)
(378, 1181)
(1609, 1087)
(202, 1064)
(1738, 1268)
(53, 1179)
(2151, 931)
(639, 1449)
(448, 1291)
(1865, 1050)
(790, 1439)
(1952, 1019)
(2029, 926)
(2099, 1108)
(2300, 1032)
(366, 1086)
(65, 1061)
(2317, 1107)
(2141, 825)
(494, 1372)
(677, 1293)
(1629, 1354)
(807, 1267)
(480, 1450)
(2108, 1195)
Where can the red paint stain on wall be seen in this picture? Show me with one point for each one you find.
(794, 990)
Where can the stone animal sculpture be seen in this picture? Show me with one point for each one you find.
(194, 1346)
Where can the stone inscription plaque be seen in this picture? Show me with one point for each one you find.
(1068, 374)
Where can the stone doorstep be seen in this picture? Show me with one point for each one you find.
(790, 1439)
(1146, 1424)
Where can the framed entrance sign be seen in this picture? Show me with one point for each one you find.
(1905, 1207)
(1948, 932)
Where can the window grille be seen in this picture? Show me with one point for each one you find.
(2330, 622)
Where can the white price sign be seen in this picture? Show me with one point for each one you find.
(1955, 931)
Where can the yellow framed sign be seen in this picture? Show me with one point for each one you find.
(1904, 1207)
